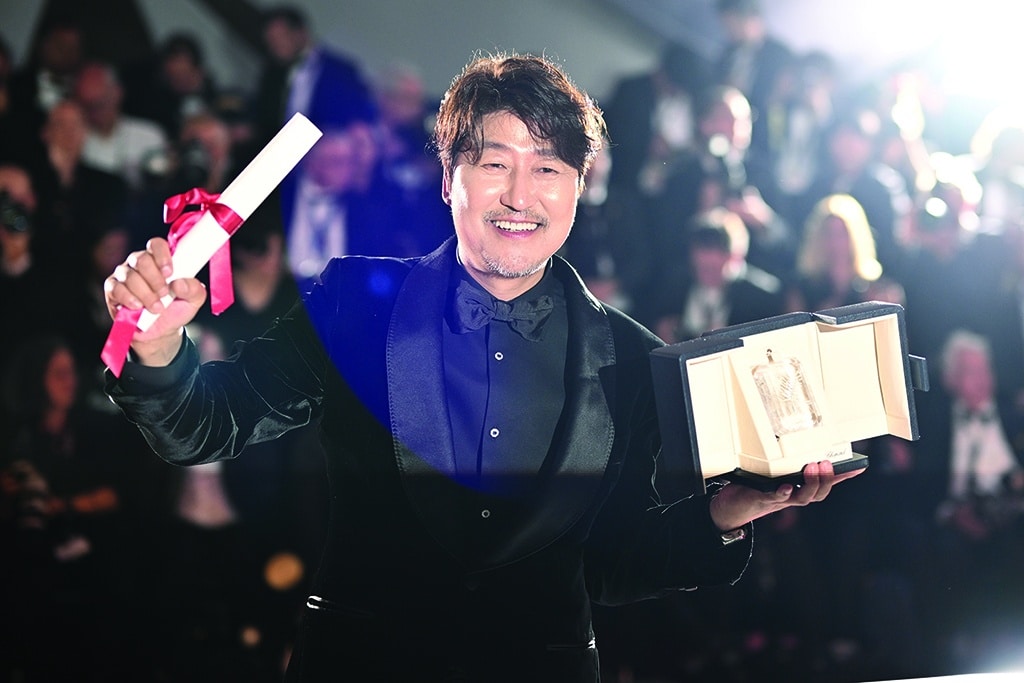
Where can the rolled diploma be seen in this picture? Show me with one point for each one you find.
(245, 193)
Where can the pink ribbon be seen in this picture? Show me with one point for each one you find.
(181, 218)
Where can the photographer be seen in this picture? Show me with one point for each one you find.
(23, 284)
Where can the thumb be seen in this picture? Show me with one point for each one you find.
(189, 291)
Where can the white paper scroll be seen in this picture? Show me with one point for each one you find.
(245, 193)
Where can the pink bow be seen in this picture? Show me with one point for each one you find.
(181, 218)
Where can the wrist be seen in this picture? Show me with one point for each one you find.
(157, 352)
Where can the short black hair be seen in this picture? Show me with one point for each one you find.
(291, 15)
(533, 89)
(181, 44)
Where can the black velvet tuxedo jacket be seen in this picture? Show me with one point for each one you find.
(422, 578)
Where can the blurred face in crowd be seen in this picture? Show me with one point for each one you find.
(401, 99)
(60, 380)
(212, 134)
(100, 96)
(709, 265)
(851, 145)
(65, 128)
(331, 163)
(836, 241)
(513, 208)
(727, 124)
(742, 27)
(973, 382)
(61, 50)
(109, 251)
(284, 43)
(17, 183)
(182, 74)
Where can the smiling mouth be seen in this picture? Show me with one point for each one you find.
(515, 226)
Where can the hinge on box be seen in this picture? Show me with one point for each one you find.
(918, 372)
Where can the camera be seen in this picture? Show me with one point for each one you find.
(13, 215)
(193, 164)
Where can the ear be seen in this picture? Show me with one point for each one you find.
(446, 188)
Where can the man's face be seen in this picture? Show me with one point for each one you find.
(61, 50)
(100, 98)
(182, 74)
(60, 380)
(974, 383)
(709, 265)
(283, 42)
(66, 128)
(213, 135)
(331, 163)
(513, 208)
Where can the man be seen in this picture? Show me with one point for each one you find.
(72, 196)
(719, 288)
(172, 87)
(331, 210)
(302, 76)
(753, 61)
(720, 172)
(116, 143)
(492, 465)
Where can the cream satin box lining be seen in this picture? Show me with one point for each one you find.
(854, 366)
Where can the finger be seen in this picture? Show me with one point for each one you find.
(189, 289)
(161, 251)
(118, 295)
(825, 479)
(807, 492)
(140, 287)
(148, 267)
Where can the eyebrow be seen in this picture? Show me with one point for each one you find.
(546, 152)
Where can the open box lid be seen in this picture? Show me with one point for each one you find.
(716, 421)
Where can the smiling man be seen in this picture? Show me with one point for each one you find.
(490, 426)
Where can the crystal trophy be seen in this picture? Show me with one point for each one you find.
(787, 399)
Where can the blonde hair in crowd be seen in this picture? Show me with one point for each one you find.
(811, 259)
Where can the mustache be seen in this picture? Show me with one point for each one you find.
(526, 216)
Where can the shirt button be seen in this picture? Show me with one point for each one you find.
(485, 513)
(495, 432)
(499, 355)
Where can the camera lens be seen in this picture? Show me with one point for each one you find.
(13, 215)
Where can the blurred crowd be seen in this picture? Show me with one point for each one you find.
(757, 182)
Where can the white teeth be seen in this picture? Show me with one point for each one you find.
(515, 227)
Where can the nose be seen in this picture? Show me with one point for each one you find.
(520, 191)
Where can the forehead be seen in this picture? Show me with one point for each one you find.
(505, 131)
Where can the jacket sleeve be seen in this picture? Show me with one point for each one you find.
(191, 413)
(640, 545)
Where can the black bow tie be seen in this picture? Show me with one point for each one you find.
(473, 309)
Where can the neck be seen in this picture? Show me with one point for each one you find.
(504, 288)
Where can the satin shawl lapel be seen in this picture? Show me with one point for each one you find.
(582, 446)
(419, 410)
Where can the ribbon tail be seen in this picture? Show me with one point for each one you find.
(115, 348)
(222, 290)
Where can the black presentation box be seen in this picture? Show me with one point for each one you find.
(754, 403)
